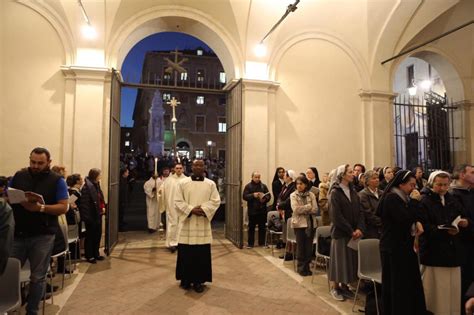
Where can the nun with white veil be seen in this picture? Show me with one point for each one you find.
(347, 224)
(441, 250)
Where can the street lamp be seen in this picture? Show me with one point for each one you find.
(209, 146)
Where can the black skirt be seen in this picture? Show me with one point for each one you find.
(194, 263)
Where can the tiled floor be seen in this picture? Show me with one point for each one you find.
(138, 278)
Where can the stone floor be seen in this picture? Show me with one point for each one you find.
(138, 278)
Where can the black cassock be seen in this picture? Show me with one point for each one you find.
(402, 289)
(194, 263)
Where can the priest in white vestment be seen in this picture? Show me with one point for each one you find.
(167, 194)
(151, 188)
(196, 201)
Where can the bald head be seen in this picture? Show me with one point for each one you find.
(198, 167)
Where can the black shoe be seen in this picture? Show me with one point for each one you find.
(100, 258)
(185, 285)
(173, 249)
(288, 257)
(151, 231)
(198, 287)
(65, 271)
(305, 273)
(347, 293)
(92, 260)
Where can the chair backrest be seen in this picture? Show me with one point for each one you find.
(73, 232)
(10, 286)
(64, 229)
(270, 214)
(290, 232)
(369, 257)
(321, 231)
(25, 272)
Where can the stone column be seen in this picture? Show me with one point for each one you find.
(86, 123)
(378, 142)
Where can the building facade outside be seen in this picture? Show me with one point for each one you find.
(201, 114)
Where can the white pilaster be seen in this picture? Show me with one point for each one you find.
(85, 124)
(258, 128)
(378, 143)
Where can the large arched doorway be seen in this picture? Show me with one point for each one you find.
(428, 113)
(219, 42)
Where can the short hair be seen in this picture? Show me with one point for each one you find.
(73, 179)
(304, 180)
(58, 169)
(369, 174)
(362, 166)
(39, 150)
(461, 168)
(94, 173)
(255, 172)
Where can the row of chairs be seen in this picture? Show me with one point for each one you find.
(16, 276)
(369, 263)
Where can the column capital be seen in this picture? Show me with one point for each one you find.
(86, 73)
(260, 85)
(254, 85)
(368, 95)
(465, 104)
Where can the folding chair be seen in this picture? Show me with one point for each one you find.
(370, 266)
(324, 232)
(10, 287)
(290, 238)
(271, 233)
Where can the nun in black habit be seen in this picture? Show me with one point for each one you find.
(402, 289)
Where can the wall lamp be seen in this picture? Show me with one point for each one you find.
(88, 31)
(260, 50)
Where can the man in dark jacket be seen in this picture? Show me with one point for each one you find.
(36, 219)
(256, 194)
(462, 189)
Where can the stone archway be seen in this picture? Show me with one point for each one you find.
(433, 135)
(174, 18)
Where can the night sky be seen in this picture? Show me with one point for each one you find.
(132, 66)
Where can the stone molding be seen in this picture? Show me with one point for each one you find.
(260, 85)
(101, 74)
(374, 95)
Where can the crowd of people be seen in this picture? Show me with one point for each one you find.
(39, 205)
(425, 228)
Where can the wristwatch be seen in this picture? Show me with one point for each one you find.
(42, 208)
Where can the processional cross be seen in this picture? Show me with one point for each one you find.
(174, 103)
